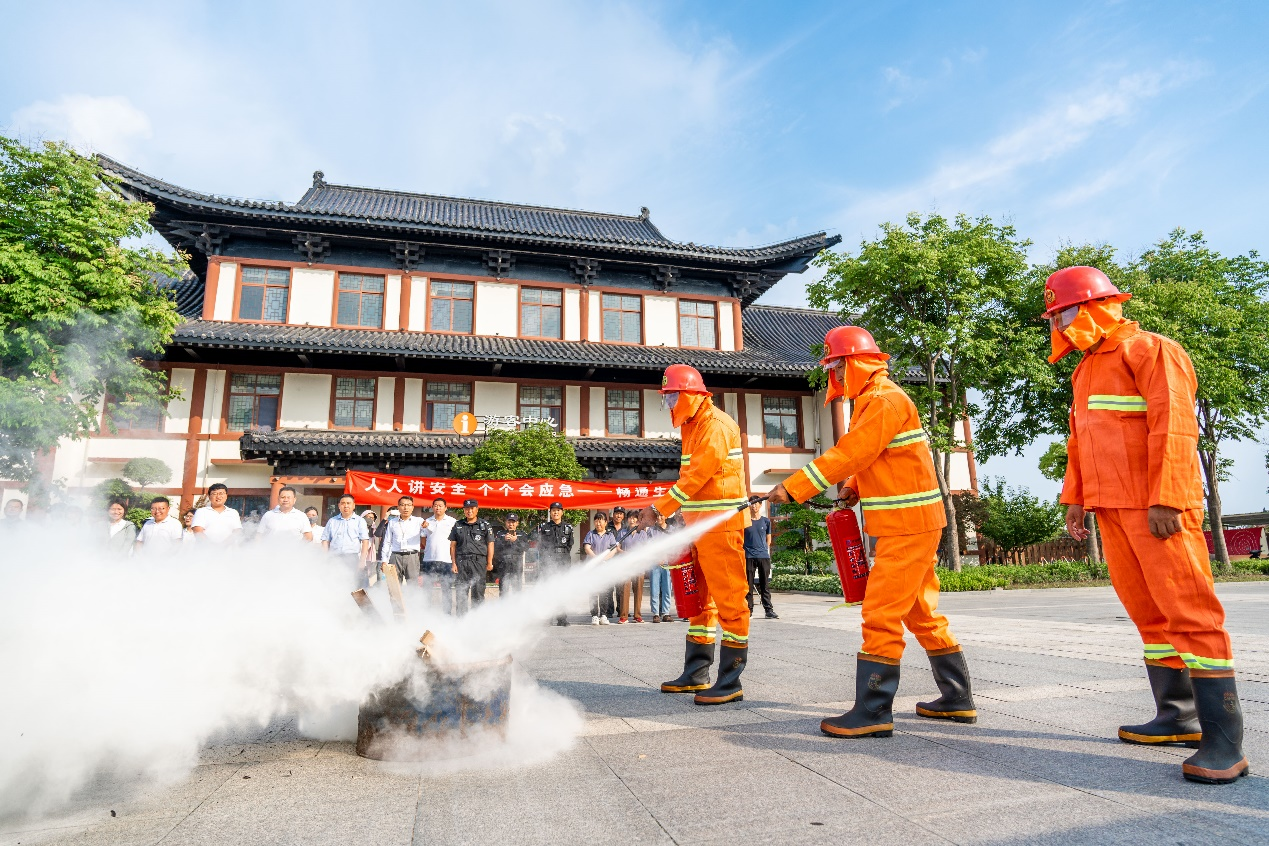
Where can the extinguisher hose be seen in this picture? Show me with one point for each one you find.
(752, 500)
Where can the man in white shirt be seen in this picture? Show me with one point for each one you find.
(285, 521)
(437, 563)
(217, 522)
(403, 539)
(161, 534)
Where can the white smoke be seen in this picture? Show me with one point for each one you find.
(129, 666)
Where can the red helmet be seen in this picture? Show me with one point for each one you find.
(682, 378)
(1072, 286)
(842, 341)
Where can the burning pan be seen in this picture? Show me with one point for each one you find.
(394, 726)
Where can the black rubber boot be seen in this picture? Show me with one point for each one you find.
(1175, 720)
(695, 669)
(955, 701)
(876, 682)
(731, 663)
(1219, 759)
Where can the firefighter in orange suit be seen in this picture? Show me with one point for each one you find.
(711, 480)
(1133, 458)
(885, 463)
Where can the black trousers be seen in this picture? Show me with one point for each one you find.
(510, 580)
(471, 584)
(760, 570)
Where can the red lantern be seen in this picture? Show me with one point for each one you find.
(848, 551)
(689, 585)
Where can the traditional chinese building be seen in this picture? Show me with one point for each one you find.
(349, 329)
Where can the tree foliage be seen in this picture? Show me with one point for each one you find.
(1015, 518)
(800, 525)
(1053, 462)
(147, 471)
(534, 452)
(77, 307)
(935, 294)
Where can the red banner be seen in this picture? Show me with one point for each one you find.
(529, 494)
(1237, 541)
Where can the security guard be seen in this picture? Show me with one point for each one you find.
(554, 541)
(471, 547)
(509, 549)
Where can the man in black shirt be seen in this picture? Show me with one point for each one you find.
(509, 549)
(554, 541)
(758, 558)
(471, 548)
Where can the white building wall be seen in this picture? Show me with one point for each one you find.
(418, 304)
(731, 405)
(572, 314)
(594, 317)
(305, 401)
(392, 302)
(107, 456)
(226, 290)
(178, 410)
(490, 398)
(214, 402)
(753, 420)
(959, 479)
(412, 414)
(656, 420)
(598, 412)
(70, 462)
(761, 465)
(384, 403)
(312, 297)
(572, 411)
(808, 422)
(726, 327)
(660, 321)
(496, 309)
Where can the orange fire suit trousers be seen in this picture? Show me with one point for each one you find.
(721, 555)
(1166, 587)
(903, 590)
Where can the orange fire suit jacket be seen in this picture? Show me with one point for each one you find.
(711, 471)
(887, 453)
(1134, 434)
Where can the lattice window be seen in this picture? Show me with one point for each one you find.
(623, 318)
(780, 421)
(354, 402)
(698, 324)
(445, 401)
(623, 412)
(264, 294)
(360, 301)
(542, 403)
(253, 401)
(540, 310)
(452, 306)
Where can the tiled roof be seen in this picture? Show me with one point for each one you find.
(481, 219)
(757, 358)
(260, 443)
(187, 292)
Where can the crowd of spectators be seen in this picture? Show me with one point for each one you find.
(451, 560)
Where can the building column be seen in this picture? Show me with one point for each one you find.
(583, 312)
(737, 327)
(275, 487)
(584, 427)
(189, 475)
(210, 283)
(742, 422)
(404, 320)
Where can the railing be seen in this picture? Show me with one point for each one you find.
(1062, 549)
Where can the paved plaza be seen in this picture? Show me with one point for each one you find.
(1055, 672)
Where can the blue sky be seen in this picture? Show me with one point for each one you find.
(736, 123)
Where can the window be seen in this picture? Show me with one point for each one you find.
(540, 313)
(360, 300)
(697, 324)
(354, 402)
(264, 294)
(623, 318)
(452, 306)
(249, 507)
(131, 416)
(542, 403)
(623, 412)
(445, 401)
(780, 421)
(253, 401)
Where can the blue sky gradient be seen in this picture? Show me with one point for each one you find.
(736, 123)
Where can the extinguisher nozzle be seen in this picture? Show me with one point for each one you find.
(752, 500)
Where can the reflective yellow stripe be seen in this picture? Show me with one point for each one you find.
(1156, 651)
(734, 638)
(700, 631)
(912, 436)
(715, 504)
(678, 494)
(735, 454)
(815, 477)
(1114, 402)
(914, 500)
(687, 459)
(1194, 662)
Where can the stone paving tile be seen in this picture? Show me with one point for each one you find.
(117, 832)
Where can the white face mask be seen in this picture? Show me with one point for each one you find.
(669, 400)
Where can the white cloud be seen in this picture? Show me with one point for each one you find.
(108, 124)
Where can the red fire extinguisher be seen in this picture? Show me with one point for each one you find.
(848, 551)
(688, 584)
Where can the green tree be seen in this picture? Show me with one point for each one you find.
(112, 490)
(78, 308)
(147, 471)
(534, 452)
(1053, 462)
(800, 526)
(1216, 307)
(1016, 519)
(933, 292)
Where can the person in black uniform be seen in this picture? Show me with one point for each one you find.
(509, 549)
(554, 541)
(471, 548)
